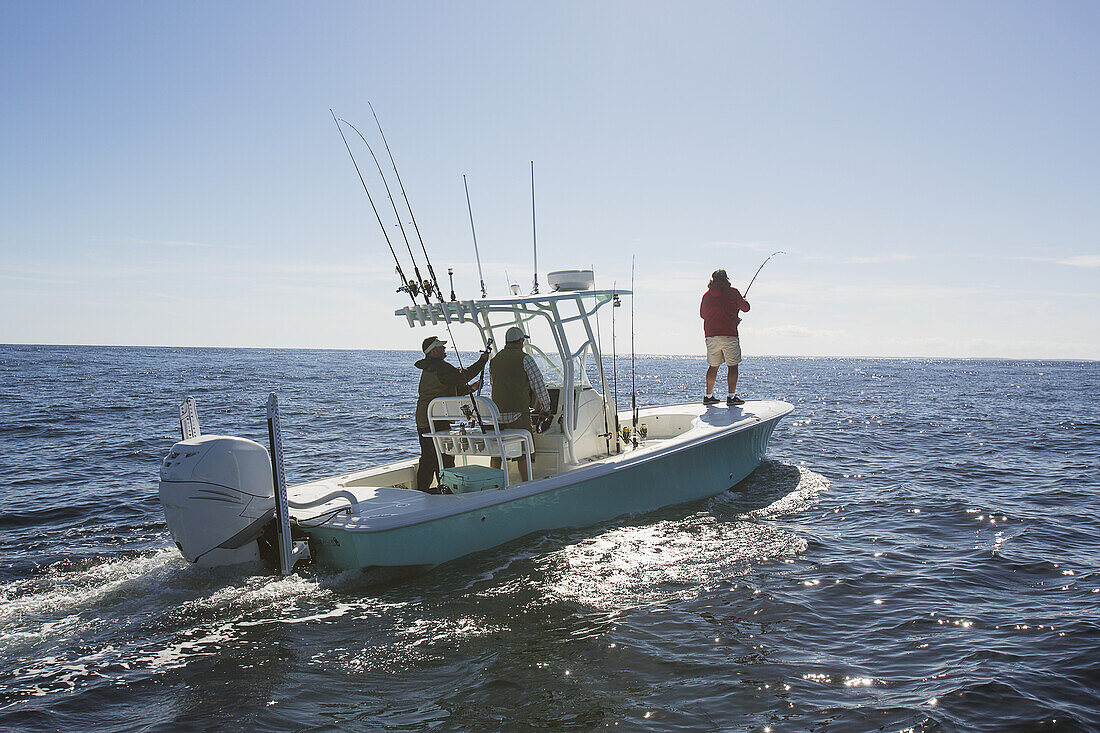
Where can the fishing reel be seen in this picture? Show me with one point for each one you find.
(468, 413)
(411, 288)
(633, 436)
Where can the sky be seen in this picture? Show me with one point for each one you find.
(172, 174)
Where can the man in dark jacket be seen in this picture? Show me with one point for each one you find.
(439, 378)
(720, 310)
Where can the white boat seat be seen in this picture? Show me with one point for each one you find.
(493, 443)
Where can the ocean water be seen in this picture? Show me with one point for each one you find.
(918, 552)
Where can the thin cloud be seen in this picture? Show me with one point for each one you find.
(1074, 261)
(172, 243)
(45, 276)
(755, 246)
(1081, 261)
(861, 260)
(794, 331)
(866, 293)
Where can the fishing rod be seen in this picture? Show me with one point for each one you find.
(773, 254)
(633, 391)
(407, 286)
(603, 376)
(427, 259)
(615, 303)
(477, 256)
(534, 240)
(426, 286)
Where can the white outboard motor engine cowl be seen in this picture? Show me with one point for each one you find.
(217, 495)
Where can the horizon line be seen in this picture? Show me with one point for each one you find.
(474, 351)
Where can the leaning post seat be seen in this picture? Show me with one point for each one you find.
(494, 443)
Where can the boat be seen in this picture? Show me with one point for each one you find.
(226, 501)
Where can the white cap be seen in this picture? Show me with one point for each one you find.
(515, 333)
(432, 344)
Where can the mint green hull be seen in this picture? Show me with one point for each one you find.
(576, 499)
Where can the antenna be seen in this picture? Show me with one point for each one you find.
(534, 240)
(474, 233)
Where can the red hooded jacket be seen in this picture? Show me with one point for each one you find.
(719, 309)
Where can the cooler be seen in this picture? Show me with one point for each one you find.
(464, 479)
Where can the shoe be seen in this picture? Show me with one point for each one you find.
(710, 400)
(734, 401)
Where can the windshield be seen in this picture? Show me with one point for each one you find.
(584, 369)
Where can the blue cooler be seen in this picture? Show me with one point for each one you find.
(464, 479)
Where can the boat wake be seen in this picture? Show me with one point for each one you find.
(96, 621)
(648, 563)
(118, 620)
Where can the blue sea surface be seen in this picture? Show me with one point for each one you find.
(918, 552)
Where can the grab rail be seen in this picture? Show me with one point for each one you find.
(341, 494)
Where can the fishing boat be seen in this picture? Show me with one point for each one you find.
(225, 497)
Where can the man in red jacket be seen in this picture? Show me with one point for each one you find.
(719, 310)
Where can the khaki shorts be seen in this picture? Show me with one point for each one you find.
(723, 349)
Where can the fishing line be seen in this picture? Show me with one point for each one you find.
(407, 286)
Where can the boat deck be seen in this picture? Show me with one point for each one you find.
(383, 503)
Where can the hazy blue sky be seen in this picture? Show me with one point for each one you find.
(171, 174)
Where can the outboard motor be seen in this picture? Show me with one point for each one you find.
(217, 495)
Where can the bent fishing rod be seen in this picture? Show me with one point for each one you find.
(773, 254)
(407, 286)
(426, 286)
